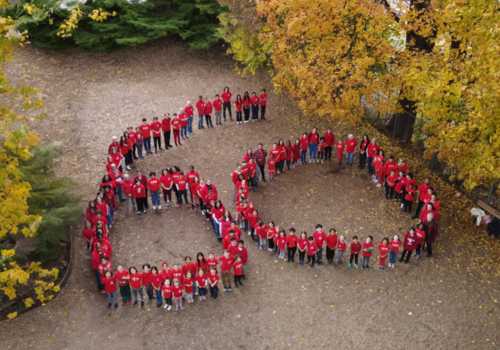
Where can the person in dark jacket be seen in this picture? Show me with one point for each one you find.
(431, 229)
(260, 155)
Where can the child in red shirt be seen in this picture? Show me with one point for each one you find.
(156, 282)
(340, 150)
(341, 247)
(238, 270)
(177, 291)
(420, 233)
(409, 245)
(296, 153)
(302, 243)
(355, 249)
(380, 171)
(291, 241)
(367, 253)
(188, 283)
(288, 154)
(390, 184)
(312, 249)
(304, 145)
(122, 278)
(166, 289)
(282, 244)
(321, 150)
(331, 246)
(408, 201)
(109, 282)
(201, 283)
(241, 250)
(213, 279)
(384, 251)
(271, 167)
(394, 247)
(271, 232)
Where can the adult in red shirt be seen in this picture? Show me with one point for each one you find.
(139, 193)
(246, 106)
(304, 145)
(331, 246)
(431, 229)
(109, 282)
(146, 281)
(350, 148)
(421, 192)
(191, 175)
(156, 129)
(263, 104)
(319, 239)
(188, 110)
(136, 285)
(254, 100)
(139, 142)
(183, 119)
(208, 113)
(154, 188)
(390, 184)
(226, 102)
(329, 137)
(122, 277)
(260, 155)
(126, 150)
(238, 104)
(313, 139)
(166, 127)
(217, 103)
(371, 154)
(282, 156)
(176, 127)
(291, 241)
(200, 107)
(117, 178)
(146, 135)
(362, 151)
(226, 263)
(114, 144)
(128, 184)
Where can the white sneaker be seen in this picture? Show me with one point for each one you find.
(127, 167)
(203, 212)
(166, 306)
(249, 233)
(154, 207)
(402, 205)
(159, 207)
(169, 307)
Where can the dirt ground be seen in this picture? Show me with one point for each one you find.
(432, 303)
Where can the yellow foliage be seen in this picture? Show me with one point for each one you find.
(29, 302)
(12, 315)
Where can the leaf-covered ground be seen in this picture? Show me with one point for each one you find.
(452, 297)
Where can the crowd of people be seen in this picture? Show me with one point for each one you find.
(165, 284)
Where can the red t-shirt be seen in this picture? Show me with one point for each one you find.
(329, 139)
(182, 184)
(304, 143)
(311, 248)
(331, 241)
(201, 280)
(167, 291)
(342, 246)
(302, 242)
(355, 248)
(271, 164)
(239, 105)
(189, 111)
(390, 166)
(410, 195)
(313, 137)
(156, 280)
(213, 262)
(179, 274)
(291, 240)
(109, 284)
(226, 263)
(191, 267)
(263, 99)
(367, 246)
(176, 124)
(394, 246)
(138, 191)
(166, 180)
(156, 126)
(383, 248)
(145, 130)
(319, 238)
(186, 281)
(238, 268)
(410, 242)
(226, 96)
(420, 236)
(191, 175)
(391, 181)
(351, 145)
(214, 278)
(183, 120)
(254, 100)
(154, 184)
(340, 147)
(281, 242)
(217, 105)
(208, 108)
(371, 149)
(423, 191)
(200, 106)
(135, 281)
(119, 276)
(177, 291)
(146, 278)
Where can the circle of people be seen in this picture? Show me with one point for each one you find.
(168, 284)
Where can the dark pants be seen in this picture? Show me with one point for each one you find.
(149, 291)
(419, 207)
(311, 257)
(406, 253)
(246, 111)
(238, 116)
(147, 144)
(126, 293)
(128, 158)
(319, 254)
(214, 292)
(370, 167)
(168, 301)
(157, 141)
(291, 253)
(134, 152)
(262, 172)
(281, 165)
(302, 255)
(407, 205)
(328, 152)
(387, 190)
(140, 203)
(255, 112)
(181, 194)
(166, 137)
(362, 160)
(100, 286)
(419, 249)
(202, 291)
(355, 257)
(330, 254)
(226, 105)
(208, 119)
(237, 279)
(429, 249)
(262, 112)
(159, 299)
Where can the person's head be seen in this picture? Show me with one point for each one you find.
(281, 142)
(433, 197)
(369, 239)
(200, 271)
(411, 187)
(233, 241)
(412, 230)
(310, 239)
(322, 139)
(427, 181)
(176, 266)
(213, 270)
(314, 130)
(108, 274)
(385, 241)
(350, 137)
(374, 141)
(233, 224)
(200, 98)
(254, 94)
(381, 153)
(333, 231)
(176, 282)
(319, 228)
(226, 253)
(430, 206)
(113, 167)
(164, 266)
(152, 174)
(401, 162)
(104, 260)
(146, 267)
(246, 94)
(174, 115)
(401, 174)
(167, 282)
(430, 189)
(217, 96)
(132, 270)
(88, 224)
(263, 91)
(154, 270)
(241, 243)
(237, 257)
(91, 204)
(211, 255)
(275, 145)
(226, 89)
(187, 260)
(218, 204)
(291, 231)
(126, 177)
(260, 222)
(138, 182)
(98, 247)
(355, 239)
(391, 159)
(114, 138)
(420, 226)
(288, 143)
(144, 120)
(393, 173)
(430, 217)
(366, 138)
(342, 238)
(231, 232)
(98, 213)
(189, 274)
(260, 146)
(395, 238)
(282, 233)
(297, 141)
(304, 134)
(271, 156)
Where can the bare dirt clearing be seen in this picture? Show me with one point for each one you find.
(91, 97)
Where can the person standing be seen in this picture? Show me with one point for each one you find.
(188, 110)
(254, 100)
(351, 145)
(218, 109)
(208, 113)
(263, 103)
(156, 127)
(200, 107)
(329, 143)
(154, 188)
(183, 119)
(313, 138)
(320, 239)
(421, 192)
(371, 148)
(238, 104)
(144, 181)
(260, 155)
(176, 127)
(146, 135)
(128, 184)
(234, 178)
(166, 127)
(139, 193)
(431, 230)
(226, 102)
(362, 151)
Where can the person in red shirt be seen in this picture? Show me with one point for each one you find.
(181, 185)
(238, 104)
(394, 248)
(329, 143)
(88, 232)
(156, 282)
(400, 186)
(208, 113)
(226, 104)
(271, 167)
(410, 243)
(304, 146)
(321, 150)
(331, 246)
(166, 289)
(139, 193)
(341, 246)
(201, 283)
(340, 146)
(350, 148)
(226, 264)
(422, 190)
(429, 209)
(246, 106)
(280, 160)
(383, 247)
(217, 103)
(154, 188)
(362, 151)
(242, 251)
(156, 129)
(296, 154)
(213, 279)
(367, 253)
(312, 249)
(189, 266)
(390, 165)
(313, 139)
(402, 166)
(109, 282)
(188, 110)
(302, 244)
(201, 263)
(355, 249)
(166, 127)
(176, 127)
(122, 277)
(282, 244)
(319, 239)
(166, 182)
(408, 201)
(420, 233)
(263, 104)
(254, 100)
(390, 184)
(371, 148)
(189, 284)
(139, 142)
(146, 135)
(177, 290)
(238, 270)
(126, 150)
(291, 241)
(183, 119)
(200, 107)
(114, 144)
(136, 285)
(128, 192)
(146, 281)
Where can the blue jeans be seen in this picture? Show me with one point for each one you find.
(303, 155)
(313, 148)
(215, 226)
(392, 257)
(214, 292)
(110, 215)
(119, 193)
(349, 158)
(147, 144)
(190, 125)
(155, 198)
(183, 132)
(200, 121)
(340, 254)
(159, 299)
(370, 167)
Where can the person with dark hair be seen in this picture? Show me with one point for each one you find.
(409, 245)
(176, 127)
(183, 119)
(246, 105)
(190, 267)
(139, 142)
(109, 282)
(146, 135)
(188, 110)
(263, 104)
(156, 128)
(122, 278)
(226, 102)
(238, 104)
(126, 150)
(156, 283)
(355, 249)
(331, 246)
(218, 111)
(213, 278)
(312, 249)
(329, 137)
(208, 113)
(370, 149)
(421, 192)
(144, 181)
(181, 185)
(200, 107)
(237, 265)
(367, 253)
(254, 100)
(260, 155)
(154, 188)
(313, 139)
(362, 151)
(136, 285)
(383, 247)
(320, 239)
(201, 283)
(146, 281)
